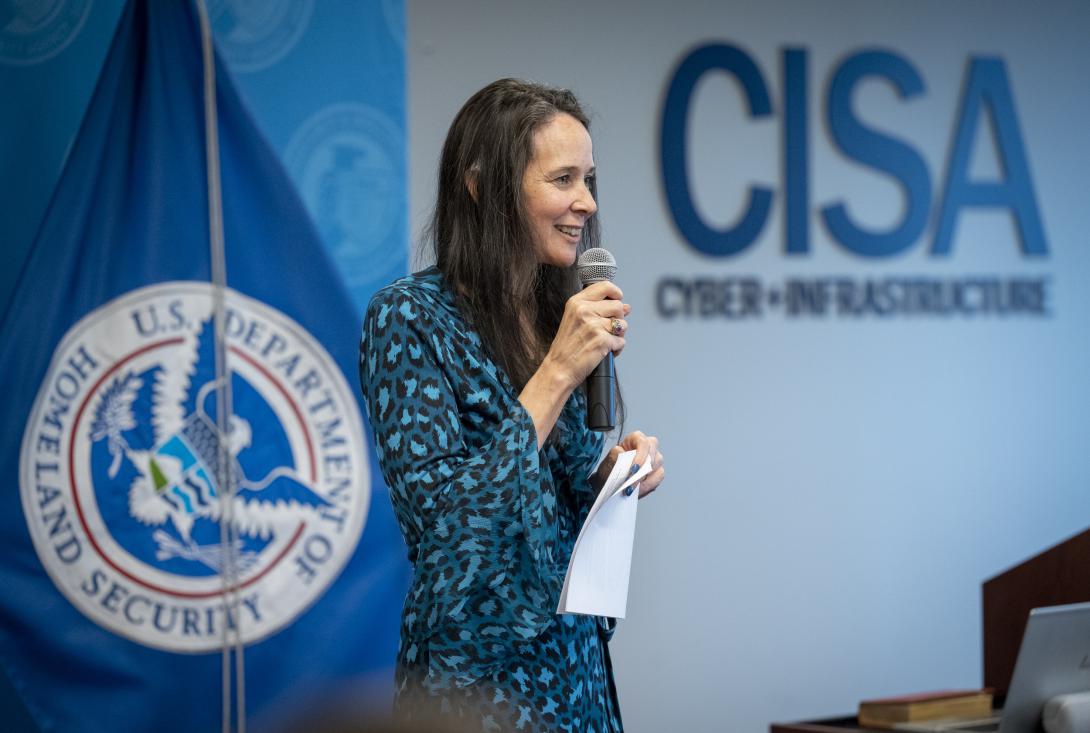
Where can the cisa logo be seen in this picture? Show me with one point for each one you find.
(941, 198)
(118, 474)
(986, 95)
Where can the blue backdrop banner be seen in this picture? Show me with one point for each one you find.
(113, 613)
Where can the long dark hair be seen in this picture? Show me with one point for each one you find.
(483, 243)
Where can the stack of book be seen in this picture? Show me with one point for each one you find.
(895, 712)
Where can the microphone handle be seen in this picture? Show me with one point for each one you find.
(601, 396)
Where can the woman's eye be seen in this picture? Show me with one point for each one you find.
(566, 178)
(589, 181)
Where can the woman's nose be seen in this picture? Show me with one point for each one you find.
(585, 203)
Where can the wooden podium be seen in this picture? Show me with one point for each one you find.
(1059, 575)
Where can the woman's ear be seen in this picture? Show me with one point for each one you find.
(471, 180)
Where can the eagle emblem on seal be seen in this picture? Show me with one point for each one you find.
(175, 486)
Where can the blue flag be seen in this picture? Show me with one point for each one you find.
(113, 610)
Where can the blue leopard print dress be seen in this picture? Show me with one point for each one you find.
(489, 521)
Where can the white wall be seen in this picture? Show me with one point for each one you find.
(838, 489)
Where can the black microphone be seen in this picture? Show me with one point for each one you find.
(596, 265)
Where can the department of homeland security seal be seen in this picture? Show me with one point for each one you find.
(255, 35)
(34, 31)
(118, 478)
(344, 159)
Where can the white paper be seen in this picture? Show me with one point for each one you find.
(597, 579)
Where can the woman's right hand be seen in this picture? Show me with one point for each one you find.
(586, 332)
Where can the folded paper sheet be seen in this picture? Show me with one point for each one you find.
(597, 578)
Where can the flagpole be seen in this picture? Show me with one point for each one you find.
(232, 635)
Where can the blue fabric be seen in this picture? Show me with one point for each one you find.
(490, 522)
(130, 211)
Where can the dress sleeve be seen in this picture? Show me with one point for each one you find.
(466, 480)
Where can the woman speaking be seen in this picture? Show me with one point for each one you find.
(472, 374)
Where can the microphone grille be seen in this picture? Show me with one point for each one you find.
(596, 265)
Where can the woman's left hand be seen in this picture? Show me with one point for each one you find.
(647, 449)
